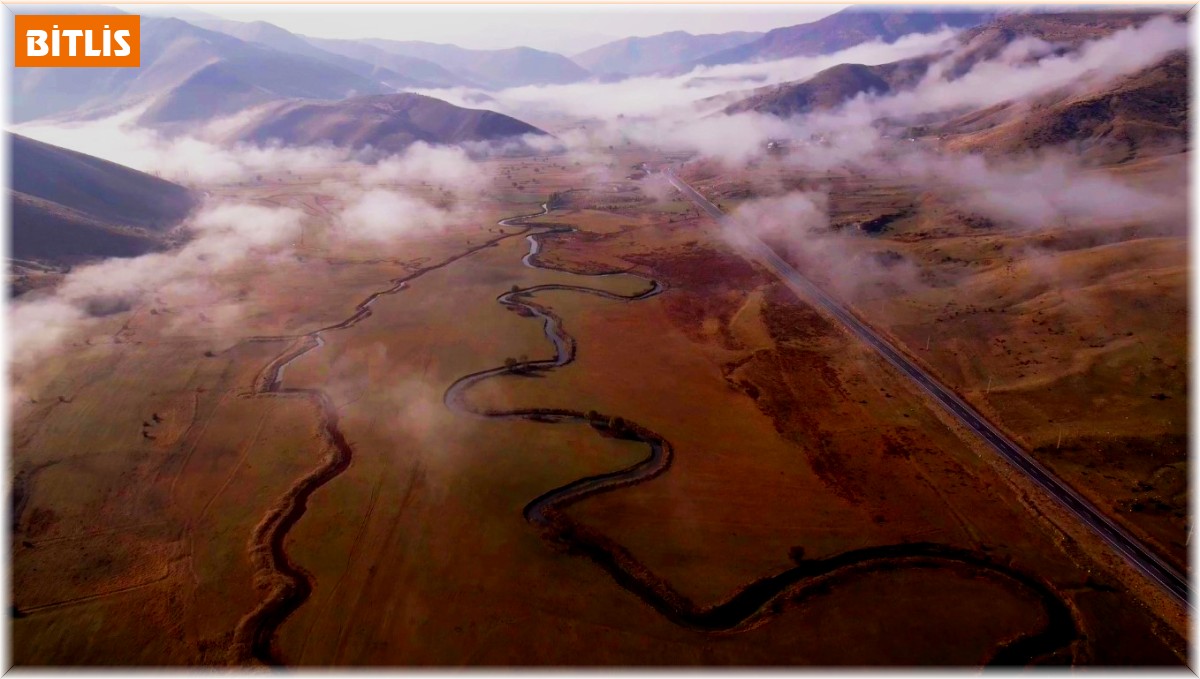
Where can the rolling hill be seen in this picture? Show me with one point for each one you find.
(69, 207)
(1142, 114)
(240, 81)
(832, 87)
(387, 123)
(642, 56)
(1065, 31)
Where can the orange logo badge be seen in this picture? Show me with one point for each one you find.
(87, 40)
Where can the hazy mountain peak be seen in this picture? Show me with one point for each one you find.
(644, 55)
(844, 29)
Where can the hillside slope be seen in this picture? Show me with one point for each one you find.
(1141, 114)
(69, 207)
(833, 87)
(1105, 118)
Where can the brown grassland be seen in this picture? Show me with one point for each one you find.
(148, 457)
(1072, 337)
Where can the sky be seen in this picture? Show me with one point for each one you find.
(568, 29)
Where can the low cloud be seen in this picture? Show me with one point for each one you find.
(380, 215)
(669, 112)
(1048, 188)
(202, 155)
(659, 96)
(1035, 192)
(192, 158)
(224, 235)
(442, 166)
(1012, 76)
(426, 188)
(797, 225)
(787, 216)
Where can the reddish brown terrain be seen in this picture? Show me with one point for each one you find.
(506, 409)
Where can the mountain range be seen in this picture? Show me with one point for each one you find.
(297, 90)
(206, 67)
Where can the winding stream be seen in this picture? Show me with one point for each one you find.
(285, 584)
(290, 586)
(757, 601)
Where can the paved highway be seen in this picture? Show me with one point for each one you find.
(1124, 543)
